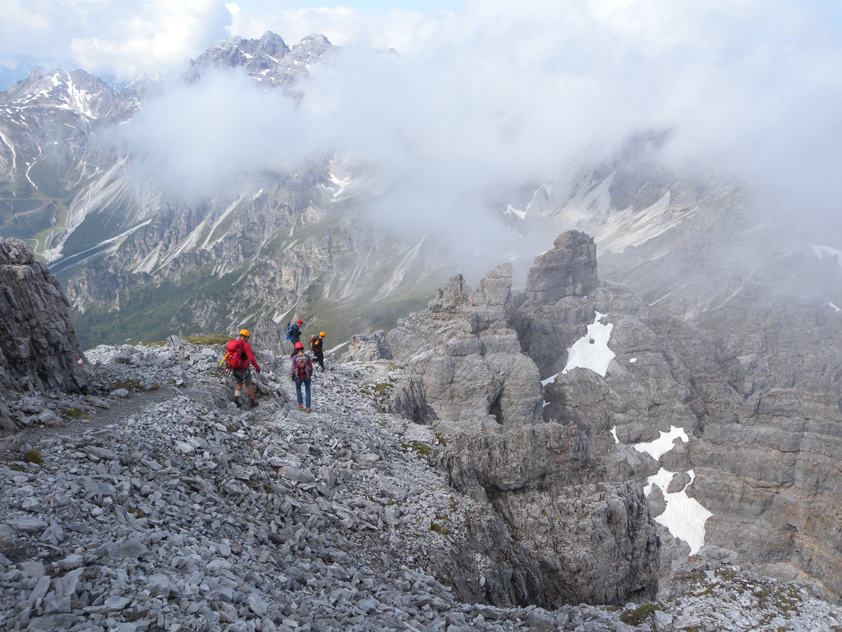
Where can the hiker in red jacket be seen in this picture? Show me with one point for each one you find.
(238, 357)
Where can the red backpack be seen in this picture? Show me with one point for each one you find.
(302, 367)
(234, 357)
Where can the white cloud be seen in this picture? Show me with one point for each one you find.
(152, 38)
(503, 93)
(125, 38)
(498, 94)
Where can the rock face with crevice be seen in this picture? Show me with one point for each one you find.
(759, 406)
(38, 345)
(548, 527)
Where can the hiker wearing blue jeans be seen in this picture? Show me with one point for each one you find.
(302, 369)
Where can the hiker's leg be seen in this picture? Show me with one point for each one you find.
(238, 384)
(298, 392)
(307, 391)
(247, 379)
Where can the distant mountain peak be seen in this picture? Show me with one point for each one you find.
(77, 91)
(266, 60)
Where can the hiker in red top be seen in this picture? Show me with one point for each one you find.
(238, 358)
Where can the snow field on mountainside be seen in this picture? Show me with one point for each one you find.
(684, 517)
(591, 350)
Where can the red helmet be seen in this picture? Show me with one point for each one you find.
(299, 322)
(299, 345)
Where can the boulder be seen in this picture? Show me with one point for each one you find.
(369, 346)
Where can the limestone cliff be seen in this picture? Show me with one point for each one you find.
(550, 528)
(38, 345)
(756, 410)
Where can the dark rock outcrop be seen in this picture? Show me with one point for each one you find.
(759, 406)
(38, 345)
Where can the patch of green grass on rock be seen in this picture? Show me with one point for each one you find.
(639, 614)
(32, 456)
(417, 446)
(208, 339)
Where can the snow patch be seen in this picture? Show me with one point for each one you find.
(632, 360)
(277, 317)
(400, 271)
(511, 210)
(834, 306)
(684, 517)
(549, 380)
(147, 264)
(591, 351)
(206, 245)
(821, 251)
(614, 434)
(662, 444)
(338, 347)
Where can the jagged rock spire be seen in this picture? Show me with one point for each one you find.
(569, 269)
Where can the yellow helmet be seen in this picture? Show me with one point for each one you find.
(245, 332)
(323, 334)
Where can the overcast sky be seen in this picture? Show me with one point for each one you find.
(486, 93)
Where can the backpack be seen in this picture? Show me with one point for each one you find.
(289, 331)
(233, 356)
(312, 343)
(302, 368)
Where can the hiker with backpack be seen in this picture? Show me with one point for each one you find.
(302, 369)
(238, 356)
(317, 347)
(294, 331)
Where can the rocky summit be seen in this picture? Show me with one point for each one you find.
(158, 505)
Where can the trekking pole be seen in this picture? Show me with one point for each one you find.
(224, 359)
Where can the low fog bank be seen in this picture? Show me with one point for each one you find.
(750, 93)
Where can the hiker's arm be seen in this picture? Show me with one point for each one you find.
(251, 358)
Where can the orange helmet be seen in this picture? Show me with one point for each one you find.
(245, 332)
(323, 334)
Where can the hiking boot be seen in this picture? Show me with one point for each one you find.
(306, 410)
(300, 406)
(253, 403)
(237, 401)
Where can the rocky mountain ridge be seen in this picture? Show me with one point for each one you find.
(268, 59)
